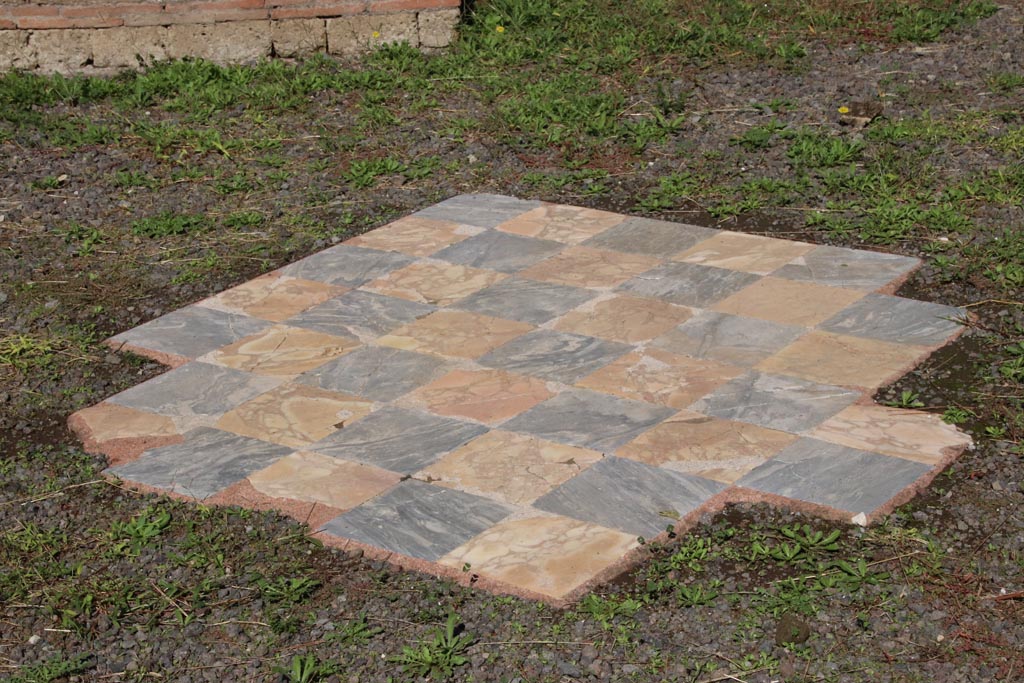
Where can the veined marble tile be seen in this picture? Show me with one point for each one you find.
(281, 351)
(316, 478)
(413, 236)
(525, 300)
(651, 237)
(624, 318)
(566, 224)
(788, 302)
(191, 331)
(728, 338)
(455, 334)
(587, 267)
(438, 284)
(482, 210)
(346, 265)
(689, 284)
(489, 396)
(109, 421)
(893, 319)
(499, 251)
(849, 268)
(557, 356)
(739, 251)
(361, 315)
(376, 373)
(272, 297)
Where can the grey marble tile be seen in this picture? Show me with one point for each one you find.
(398, 439)
(376, 373)
(851, 268)
(580, 417)
(689, 284)
(419, 520)
(192, 331)
(651, 237)
(895, 319)
(208, 461)
(525, 300)
(784, 403)
(629, 496)
(481, 210)
(196, 390)
(346, 265)
(558, 356)
(361, 315)
(732, 339)
(499, 251)
(829, 474)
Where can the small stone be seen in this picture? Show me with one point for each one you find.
(791, 629)
(33, 639)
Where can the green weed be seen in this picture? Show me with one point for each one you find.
(168, 223)
(440, 655)
(307, 669)
(131, 537)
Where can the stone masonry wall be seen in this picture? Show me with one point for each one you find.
(106, 36)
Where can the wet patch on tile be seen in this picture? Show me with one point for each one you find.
(651, 237)
(566, 224)
(587, 267)
(455, 334)
(346, 265)
(316, 478)
(624, 318)
(849, 268)
(499, 251)
(525, 300)
(376, 373)
(732, 339)
(556, 356)
(413, 236)
(281, 351)
(190, 332)
(893, 319)
(272, 297)
(788, 302)
(488, 396)
(360, 315)
(438, 284)
(689, 284)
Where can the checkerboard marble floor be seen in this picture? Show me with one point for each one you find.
(516, 391)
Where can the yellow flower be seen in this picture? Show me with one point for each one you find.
(499, 29)
(376, 34)
(844, 110)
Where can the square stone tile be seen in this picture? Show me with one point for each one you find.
(829, 474)
(499, 251)
(489, 396)
(376, 373)
(749, 253)
(788, 302)
(909, 434)
(525, 300)
(732, 339)
(281, 351)
(294, 415)
(435, 283)
(706, 447)
(398, 440)
(586, 267)
(629, 496)
(579, 417)
(482, 210)
(548, 555)
(414, 236)
(847, 361)
(110, 422)
(455, 334)
(195, 391)
(419, 520)
(208, 461)
(346, 265)
(191, 331)
(689, 284)
(624, 318)
(361, 315)
(784, 403)
(315, 478)
(566, 224)
(272, 297)
(651, 237)
(557, 356)
(660, 377)
(894, 319)
(848, 268)
(512, 468)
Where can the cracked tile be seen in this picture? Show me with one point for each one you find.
(281, 351)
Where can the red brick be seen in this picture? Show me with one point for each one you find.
(333, 9)
(46, 22)
(400, 5)
(140, 15)
(7, 24)
(220, 6)
(34, 11)
(176, 16)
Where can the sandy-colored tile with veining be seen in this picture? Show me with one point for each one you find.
(435, 283)
(660, 377)
(910, 434)
(547, 555)
(847, 361)
(566, 224)
(109, 421)
(629, 319)
(414, 236)
(282, 351)
(749, 253)
(587, 267)
(317, 478)
(709, 447)
(489, 396)
(294, 415)
(273, 297)
(455, 333)
(788, 301)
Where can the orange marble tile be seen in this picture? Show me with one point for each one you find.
(434, 283)
(788, 301)
(109, 421)
(489, 396)
(510, 467)
(848, 361)
(709, 447)
(294, 415)
(414, 236)
(547, 555)
(748, 253)
(316, 478)
(660, 377)
(566, 224)
(586, 267)
(282, 351)
(455, 334)
(273, 297)
(629, 319)
(910, 434)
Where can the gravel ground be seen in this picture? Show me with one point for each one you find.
(99, 583)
